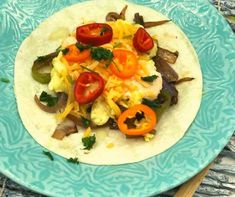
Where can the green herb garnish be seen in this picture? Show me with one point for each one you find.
(4, 80)
(58, 49)
(88, 142)
(149, 78)
(151, 103)
(49, 155)
(50, 100)
(65, 51)
(100, 53)
(86, 123)
(73, 160)
(103, 30)
(82, 47)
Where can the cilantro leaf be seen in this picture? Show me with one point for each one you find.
(100, 53)
(4, 80)
(151, 103)
(82, 47)
(149, 78)
(86, 123)
(73, 160)
(65, 51)
(49, 155)
(88, 142)
(50, 100)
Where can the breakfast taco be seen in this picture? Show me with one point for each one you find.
(108, 84)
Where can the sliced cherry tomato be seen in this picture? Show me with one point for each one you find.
(75, 55)
(142, 41)
(88, 87)
(146, 125)
(124, 64)
(94, 34)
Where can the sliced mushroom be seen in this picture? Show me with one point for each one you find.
(113, 16)
(155, 23)
(165, 69)
(140, 20)
(167, 55)
(65, 128)
(184, 80)
(123, 13)
(169, 88)
(78, 121)
(112, 124)
(62, 99)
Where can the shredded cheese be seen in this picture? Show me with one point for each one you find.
(148, 137)
(110, 145)
(67, 110)
(122, 29)
(87, 132)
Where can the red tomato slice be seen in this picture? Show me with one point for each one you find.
(94, 34)
(142, 41)
(124, 63)
(88, 87)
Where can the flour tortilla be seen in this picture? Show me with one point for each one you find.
(41, 125)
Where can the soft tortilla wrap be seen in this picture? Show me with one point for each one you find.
(171, 127)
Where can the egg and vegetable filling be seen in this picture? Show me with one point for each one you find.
(110, 74)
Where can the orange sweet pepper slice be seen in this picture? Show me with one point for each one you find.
(75, 55)
(147, 124)
(124, 64)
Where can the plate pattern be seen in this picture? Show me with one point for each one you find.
(22, 159)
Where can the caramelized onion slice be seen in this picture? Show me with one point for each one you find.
(167, 55)
(65, 128)
(62, 98)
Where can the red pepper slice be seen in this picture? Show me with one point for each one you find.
(94, 34)
(88, 87)
(142, 41)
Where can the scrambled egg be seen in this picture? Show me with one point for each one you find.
(143, 89)
(100, 112)
(58, 74)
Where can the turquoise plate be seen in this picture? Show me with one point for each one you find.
(21, 157)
